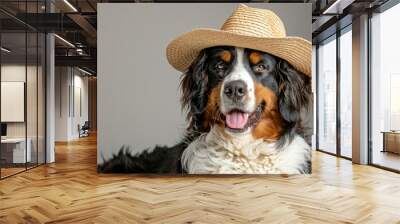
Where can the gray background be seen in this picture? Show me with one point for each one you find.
(138, 94)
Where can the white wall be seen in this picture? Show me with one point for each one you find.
(80, 82)
(68, 81)
(62, 81)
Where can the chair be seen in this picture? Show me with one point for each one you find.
(84, 130)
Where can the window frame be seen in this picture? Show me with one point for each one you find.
(336, 35)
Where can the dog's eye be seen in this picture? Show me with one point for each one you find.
(259, 68)
(220, 66)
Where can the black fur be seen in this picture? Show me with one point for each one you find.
(295, 93)
(161, 160)
(291, 86)
(294, 96)
(194, 88)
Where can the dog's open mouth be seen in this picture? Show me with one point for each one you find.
(239, 121)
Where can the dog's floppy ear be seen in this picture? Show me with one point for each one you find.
(294, 92)
(194, 87)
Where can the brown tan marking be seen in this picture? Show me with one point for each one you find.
(269, 127)
(212, 115)
(255, 57)
(226, 56)
(281, 87)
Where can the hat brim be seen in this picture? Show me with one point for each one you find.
(183, 50)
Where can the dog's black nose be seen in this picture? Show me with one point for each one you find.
(235, 90)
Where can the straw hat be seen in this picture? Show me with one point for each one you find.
(247, 27)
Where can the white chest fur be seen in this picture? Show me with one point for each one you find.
(215, 153)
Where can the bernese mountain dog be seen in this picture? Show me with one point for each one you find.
(244, 109)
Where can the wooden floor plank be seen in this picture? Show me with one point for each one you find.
(71, 191)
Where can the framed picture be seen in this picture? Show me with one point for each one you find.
(204, 88)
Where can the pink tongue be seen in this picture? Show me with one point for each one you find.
(236, 120)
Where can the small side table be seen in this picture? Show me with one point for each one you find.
(391, 141)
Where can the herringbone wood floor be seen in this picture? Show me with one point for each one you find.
(70, 191)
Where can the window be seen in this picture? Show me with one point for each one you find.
(385, 89)
(22, 101)
(346, 92)
(327, 96)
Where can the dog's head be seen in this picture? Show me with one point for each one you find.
(244, 91)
